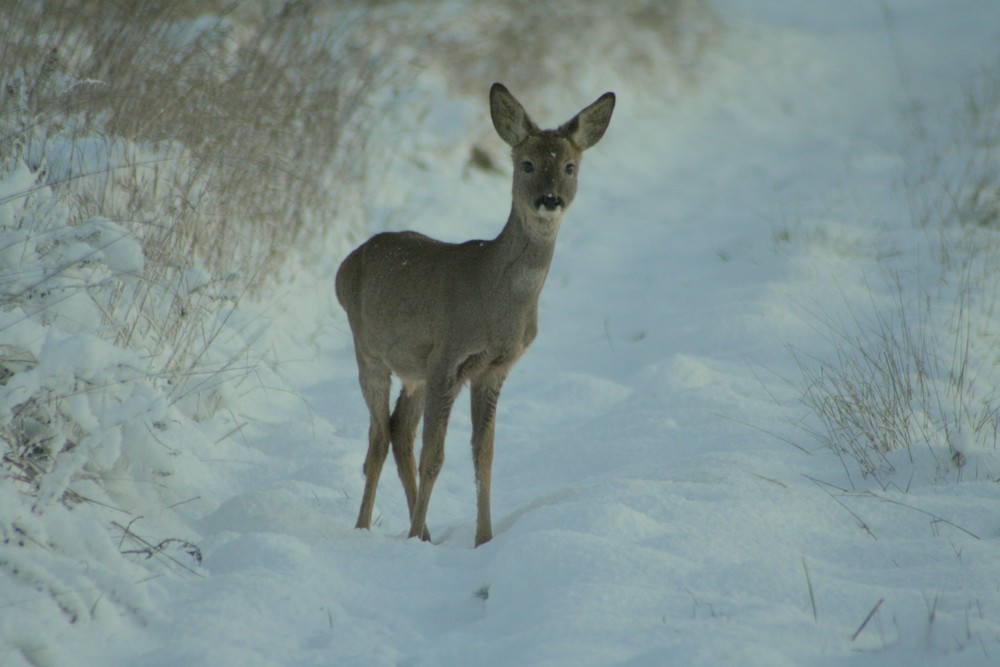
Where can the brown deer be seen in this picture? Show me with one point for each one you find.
(438, 315)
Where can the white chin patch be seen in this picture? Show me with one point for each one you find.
(550, 214)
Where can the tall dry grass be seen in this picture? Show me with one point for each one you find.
(222, 136)
(254, 124)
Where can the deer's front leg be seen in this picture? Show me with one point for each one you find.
(485, 392)
(440, 397)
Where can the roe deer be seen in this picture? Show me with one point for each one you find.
(438, 315)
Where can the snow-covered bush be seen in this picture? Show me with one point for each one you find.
(158, 162)
(88, 436)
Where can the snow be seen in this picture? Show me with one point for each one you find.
(654, 501)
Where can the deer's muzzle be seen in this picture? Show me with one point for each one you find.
(550, 201)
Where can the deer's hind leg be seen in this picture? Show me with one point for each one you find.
(403, 429)
(440, 396)
(375, 387)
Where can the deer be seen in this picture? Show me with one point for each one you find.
(442, 315)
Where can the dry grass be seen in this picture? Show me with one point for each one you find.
(532, 44)
(248, 128)
(921, 370)
(899, 380)
(954, 176)
(222, 141)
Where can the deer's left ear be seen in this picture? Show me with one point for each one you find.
(587, 127)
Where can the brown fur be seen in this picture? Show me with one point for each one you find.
(439, 315)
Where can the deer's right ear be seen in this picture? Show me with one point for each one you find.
(509, 117)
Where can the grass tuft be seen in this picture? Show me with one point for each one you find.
(918, 370)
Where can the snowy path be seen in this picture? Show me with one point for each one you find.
(640, 517)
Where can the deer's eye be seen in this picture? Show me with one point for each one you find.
(570, 168)
(527, 166)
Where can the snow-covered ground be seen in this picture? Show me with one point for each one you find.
(654, 502)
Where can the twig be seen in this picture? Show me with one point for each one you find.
(150, 549)
(767, 479)
(936, 518)
(787, 441)
(861, 522)
(812, 598)
(183, 502)
(867, 619)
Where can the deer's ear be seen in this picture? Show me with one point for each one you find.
(509, 117)
(587, 127)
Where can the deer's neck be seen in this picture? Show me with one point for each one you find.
(521, 254)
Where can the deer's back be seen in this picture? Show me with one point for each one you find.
(404, 269)
(409, 296)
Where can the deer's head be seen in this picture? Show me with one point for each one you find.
(546, 162)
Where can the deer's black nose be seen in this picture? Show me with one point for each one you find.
(550, 201)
